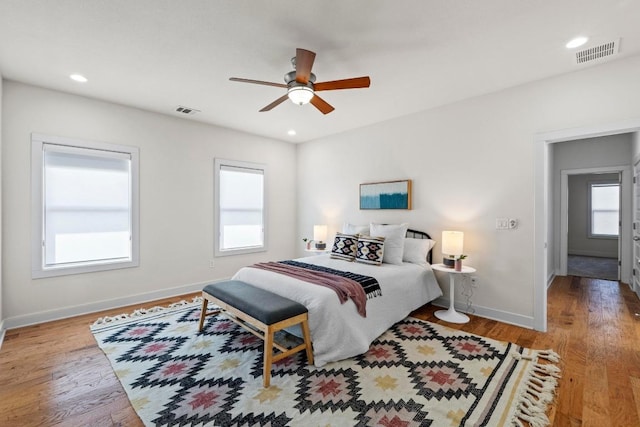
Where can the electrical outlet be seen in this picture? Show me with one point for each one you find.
(474, 282)
(211, 264)
(513, 223)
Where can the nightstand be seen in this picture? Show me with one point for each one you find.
(318, 251)
(451, 315)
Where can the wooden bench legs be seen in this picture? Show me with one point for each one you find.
(270, 344)
(203, 314)
(263, 331)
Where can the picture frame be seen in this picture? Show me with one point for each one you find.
(386, 195)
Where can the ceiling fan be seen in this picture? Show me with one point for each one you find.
(301, 84)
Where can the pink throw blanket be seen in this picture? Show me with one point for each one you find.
(345, 288)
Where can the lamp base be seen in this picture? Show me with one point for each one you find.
(449, 262)
(321, 246)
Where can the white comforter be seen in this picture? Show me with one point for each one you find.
(337, 330)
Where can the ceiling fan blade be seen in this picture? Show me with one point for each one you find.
(304, 62)
(354, 83)
(258, 82)
(321, 104)
(275, 103)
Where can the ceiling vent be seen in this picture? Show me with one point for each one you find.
(597, 53)
(186, 110)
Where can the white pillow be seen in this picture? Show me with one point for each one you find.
(394, 236)
(355, 229)
(416, 250)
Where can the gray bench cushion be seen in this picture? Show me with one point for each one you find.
(262, 305)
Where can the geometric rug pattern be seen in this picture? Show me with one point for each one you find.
(415, 374)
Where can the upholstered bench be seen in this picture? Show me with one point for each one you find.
(260, 312)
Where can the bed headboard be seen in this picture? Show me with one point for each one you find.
(415, 234)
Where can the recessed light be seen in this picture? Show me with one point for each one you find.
(577, 42)
(78, 78)
(291, 132)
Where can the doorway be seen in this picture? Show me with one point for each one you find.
(591, 222)
(635, 277)
(544, 270)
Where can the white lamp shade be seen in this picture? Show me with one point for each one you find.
(319, 233)
(300, 94)
(452, 242)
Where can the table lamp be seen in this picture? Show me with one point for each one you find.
(319, 236)
(452, 243)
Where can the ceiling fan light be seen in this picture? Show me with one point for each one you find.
(300, 94)
(576, 42)
(78, 78)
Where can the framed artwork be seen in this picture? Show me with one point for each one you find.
(386, 195)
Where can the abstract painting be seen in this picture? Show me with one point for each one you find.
(386, 195)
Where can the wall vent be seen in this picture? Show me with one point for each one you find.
(186, 110)
(597, 53)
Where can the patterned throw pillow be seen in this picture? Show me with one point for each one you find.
(344, 246)
(370, 250)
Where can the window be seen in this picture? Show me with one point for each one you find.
(604, 206)
(85, 206)
(240, 207)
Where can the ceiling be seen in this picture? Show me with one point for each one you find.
(420, 54)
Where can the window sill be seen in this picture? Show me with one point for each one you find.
(602, 237)
(81, 269)
(229, 252)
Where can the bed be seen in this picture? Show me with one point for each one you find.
(337, 330)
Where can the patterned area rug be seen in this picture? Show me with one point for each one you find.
(415, 374)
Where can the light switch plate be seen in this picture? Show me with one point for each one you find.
(502, 224)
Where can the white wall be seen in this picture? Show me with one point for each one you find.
(549, 183)
(471, 162)
(176, 202)
(635, 145)
(579, 242)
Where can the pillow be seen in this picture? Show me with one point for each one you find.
(370, 250)
(355, 229)
(416, 250)
(344, 246)
(394, 236)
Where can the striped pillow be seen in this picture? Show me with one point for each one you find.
(370, 250)
(344, 246)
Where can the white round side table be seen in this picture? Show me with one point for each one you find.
(318, 251)
(451, 315)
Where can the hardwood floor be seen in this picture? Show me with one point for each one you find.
(55, 374)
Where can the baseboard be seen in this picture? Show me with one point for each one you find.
(598, 254)
(2, 333)
(490, 313)
(550, 279)
(66, 312)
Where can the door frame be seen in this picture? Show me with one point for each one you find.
(543, 203)
(625, 172)
(635, 257)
